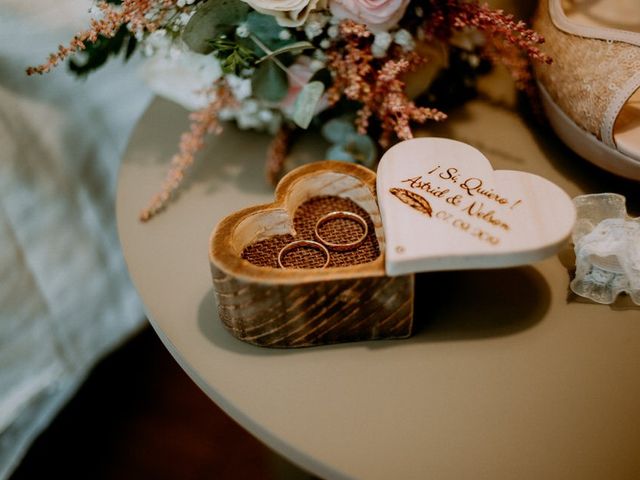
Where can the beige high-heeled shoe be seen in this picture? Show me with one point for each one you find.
(591, 91)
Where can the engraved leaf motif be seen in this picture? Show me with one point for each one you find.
(413, 200)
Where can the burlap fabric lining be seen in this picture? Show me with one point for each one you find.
(264, 253)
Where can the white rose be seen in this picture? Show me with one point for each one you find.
(288, 13)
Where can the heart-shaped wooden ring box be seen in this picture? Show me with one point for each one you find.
(437, 204)
(277, 307)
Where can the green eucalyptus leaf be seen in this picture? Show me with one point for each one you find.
(355, 148)
(266, 28)
(211, 19)
(287, 48)
(269, 82)
(339, 153)
(337, 130)
(306, 103)
(362, 147)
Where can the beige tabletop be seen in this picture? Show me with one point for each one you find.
(508, 376)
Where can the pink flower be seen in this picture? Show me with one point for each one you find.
(378, 15)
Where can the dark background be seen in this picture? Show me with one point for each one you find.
(138, 415)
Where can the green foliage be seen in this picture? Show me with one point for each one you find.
(266, 28)
(356, 148)
(212, 29)
(233, 56)
(348, 145)
(97, 53)
(269, 82)
(295, 47)
(306, 103)
(211, 20)
(336, 130)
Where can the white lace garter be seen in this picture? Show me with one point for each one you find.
(607, 248)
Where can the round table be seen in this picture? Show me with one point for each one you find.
(509, 375)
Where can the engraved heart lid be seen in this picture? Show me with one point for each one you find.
(443, 207)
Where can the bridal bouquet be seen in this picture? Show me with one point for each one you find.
(364, 70)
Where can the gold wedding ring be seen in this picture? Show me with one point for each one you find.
(303, 243)
(341, 247)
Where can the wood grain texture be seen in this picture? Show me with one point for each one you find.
(253, 224)
(283, 308)
(316, 313)
(444, 207)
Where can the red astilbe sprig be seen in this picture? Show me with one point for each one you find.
(376, 84)
(203, 122)
(508, 41)
(391, 104)
(351, 65)
(138, 15)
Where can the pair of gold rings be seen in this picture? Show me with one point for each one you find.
(324, 245)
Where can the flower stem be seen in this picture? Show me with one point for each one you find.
(275, 59)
